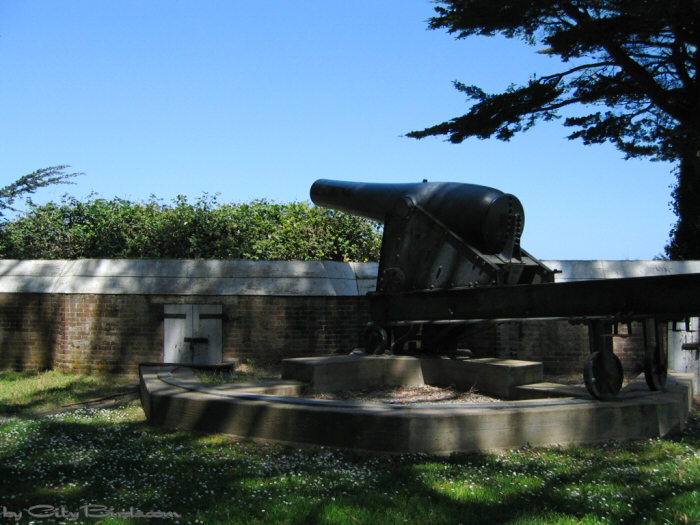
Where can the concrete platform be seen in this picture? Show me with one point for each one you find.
(491, 377)
(172, 396)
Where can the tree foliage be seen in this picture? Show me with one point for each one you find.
(32, 182)
(633, 61)
(205, 229)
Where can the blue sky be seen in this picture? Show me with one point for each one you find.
(259, 99)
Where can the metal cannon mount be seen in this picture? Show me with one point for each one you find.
(451, 257)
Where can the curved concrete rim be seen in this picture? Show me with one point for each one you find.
(173, 397)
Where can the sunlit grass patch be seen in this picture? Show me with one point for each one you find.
(40, 391)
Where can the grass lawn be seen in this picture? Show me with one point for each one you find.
(100, 461)
(27, 392)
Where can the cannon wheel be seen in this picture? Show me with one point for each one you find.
(603, 382)
(376, 339)
(655, 355)
(656, 368)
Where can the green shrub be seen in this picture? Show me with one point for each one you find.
(107, 229)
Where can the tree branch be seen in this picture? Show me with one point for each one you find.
(636, 71)
(577, 69)
(32, 182)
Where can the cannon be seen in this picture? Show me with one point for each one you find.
(451, 258)
(440, 235)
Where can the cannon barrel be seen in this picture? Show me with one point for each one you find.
(480, 215)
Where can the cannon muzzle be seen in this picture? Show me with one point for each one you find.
(480, 215)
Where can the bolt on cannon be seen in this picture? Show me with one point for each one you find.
(451, 257)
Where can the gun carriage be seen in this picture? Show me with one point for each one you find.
(451, 258)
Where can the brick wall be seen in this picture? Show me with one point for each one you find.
(30, 328)
(107, 315)
(562, 348)
(90, 333)
(273, 328)
(108, 333)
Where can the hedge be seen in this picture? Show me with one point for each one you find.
(205, 229)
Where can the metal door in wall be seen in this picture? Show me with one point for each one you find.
(684, 348)
(192, 334)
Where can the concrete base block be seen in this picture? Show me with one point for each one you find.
(352, 372)
(492, 377)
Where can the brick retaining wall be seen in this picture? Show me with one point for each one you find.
(98, 316)
(90, 333)
(562, 348)
(113, 333)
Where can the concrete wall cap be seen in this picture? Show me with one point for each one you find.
(186, 277)
(283, 278)
(588, 270)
